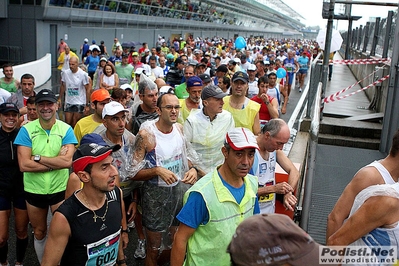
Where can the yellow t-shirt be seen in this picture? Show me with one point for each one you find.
(243, 117)
(84, 126)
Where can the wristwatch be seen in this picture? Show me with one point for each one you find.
(37, 158)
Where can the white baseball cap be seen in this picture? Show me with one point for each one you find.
(126, 87)
(241, 138)
(95, 47)
(251, 67)
(112, 108)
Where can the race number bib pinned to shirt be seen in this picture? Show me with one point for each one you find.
(73, 91)
(103, 252)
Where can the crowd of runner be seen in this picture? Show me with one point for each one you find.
(179, 112)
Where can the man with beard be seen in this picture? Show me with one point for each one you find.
(86, 228)
(194, 88)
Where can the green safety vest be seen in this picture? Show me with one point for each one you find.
(48, 145)
(208, 244)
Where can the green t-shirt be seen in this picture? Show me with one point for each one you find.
(124, 73)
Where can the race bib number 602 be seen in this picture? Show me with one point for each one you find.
(103, 252)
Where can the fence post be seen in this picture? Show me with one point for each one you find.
(366, 36)
(376, 35)
(388, 35)
(359, 37)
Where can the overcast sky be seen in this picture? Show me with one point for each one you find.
(311, 11)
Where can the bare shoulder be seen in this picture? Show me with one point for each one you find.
(365, 177)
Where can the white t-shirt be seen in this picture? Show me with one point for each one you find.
(158, 72)
(75, 92)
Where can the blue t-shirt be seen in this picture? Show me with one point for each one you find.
(194, 212)
(92, 63)
(23, 138)
(303, 62)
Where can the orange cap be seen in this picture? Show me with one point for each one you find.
(100, 95)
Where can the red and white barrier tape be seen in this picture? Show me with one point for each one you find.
(359, 61)
(332, 96)
(326, 100)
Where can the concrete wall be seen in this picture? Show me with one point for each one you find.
(40, 69)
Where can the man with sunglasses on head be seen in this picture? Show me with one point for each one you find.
(161, 160)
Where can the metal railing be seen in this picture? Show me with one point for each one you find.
(374, 38)
(311, 158)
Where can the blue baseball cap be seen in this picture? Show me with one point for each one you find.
(194, 81)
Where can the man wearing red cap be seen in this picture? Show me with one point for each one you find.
(86, 228)
(217, 204)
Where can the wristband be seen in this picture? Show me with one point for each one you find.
(196, 169)
(124, 230)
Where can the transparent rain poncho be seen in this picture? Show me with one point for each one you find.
(207, 138)
(144, 83)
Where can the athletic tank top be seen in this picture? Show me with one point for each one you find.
(168, 153)
(92, 241)
(383, 171)
(10, 87)
(289, 65)
(265, 171)
(381, 236)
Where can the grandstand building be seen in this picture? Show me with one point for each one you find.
(32, 28)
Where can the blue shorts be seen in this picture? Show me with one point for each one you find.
(303, 71)
(290, 78)
(17, 202)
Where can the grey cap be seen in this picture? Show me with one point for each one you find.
(212, 91)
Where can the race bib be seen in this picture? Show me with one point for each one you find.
(269, 197)
(73, 91)
(175, 165)
(103, 252)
